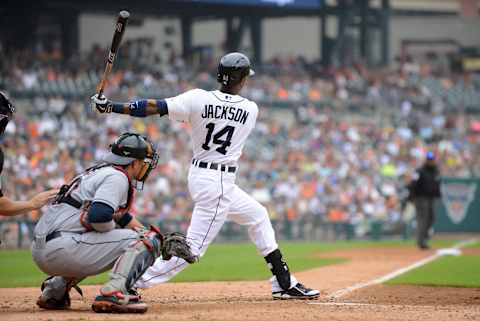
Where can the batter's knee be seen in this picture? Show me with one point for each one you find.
(261, 232)
(264, 211)
(263, 220)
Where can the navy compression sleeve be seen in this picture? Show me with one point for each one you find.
(100, 216)
(141, 108)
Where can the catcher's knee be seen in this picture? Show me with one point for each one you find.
(152, 239)
(136, 259)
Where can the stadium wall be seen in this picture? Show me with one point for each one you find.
(282, 36)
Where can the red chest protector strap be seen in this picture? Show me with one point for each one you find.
(131, 192)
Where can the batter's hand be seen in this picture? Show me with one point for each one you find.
(43, 198)
(101, 104)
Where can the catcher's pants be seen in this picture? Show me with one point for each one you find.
(216, 198)
(80, 255)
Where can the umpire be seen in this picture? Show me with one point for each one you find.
(9, 207)
(424, 190)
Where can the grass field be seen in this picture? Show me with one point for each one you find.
(223, 262)
(455, 271)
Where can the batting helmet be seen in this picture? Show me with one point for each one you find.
(129, 147)
(233, 67)
(6, 111)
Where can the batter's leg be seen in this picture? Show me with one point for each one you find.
(211, 193)
(245, 210)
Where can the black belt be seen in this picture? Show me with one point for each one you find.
(56, 234)
(52, 236)
(215, 166)
(71, 201)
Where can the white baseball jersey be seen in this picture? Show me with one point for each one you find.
(220, 123)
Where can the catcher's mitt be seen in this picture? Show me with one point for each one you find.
(175, 244)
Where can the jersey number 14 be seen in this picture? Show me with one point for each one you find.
(218, 138)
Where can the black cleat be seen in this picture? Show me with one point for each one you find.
(298, 292)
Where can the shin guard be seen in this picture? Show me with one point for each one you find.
(137, 258)
(279, 269)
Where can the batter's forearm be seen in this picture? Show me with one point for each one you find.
(141, 108)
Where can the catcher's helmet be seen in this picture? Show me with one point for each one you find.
(6, 111)
(233, 67)
(129, 147)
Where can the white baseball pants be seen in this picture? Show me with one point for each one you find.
(216, 198)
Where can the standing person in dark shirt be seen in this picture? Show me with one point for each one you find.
(424, 190)
(7, 206)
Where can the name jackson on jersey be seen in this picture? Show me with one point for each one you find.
(225, 112)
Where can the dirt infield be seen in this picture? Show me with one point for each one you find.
(252, 300)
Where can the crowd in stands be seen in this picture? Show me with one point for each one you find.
(325, 164)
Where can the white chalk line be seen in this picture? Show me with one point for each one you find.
(353, 304)
(338, 294)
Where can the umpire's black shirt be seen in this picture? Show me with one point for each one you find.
(428, 182)
(1, 168)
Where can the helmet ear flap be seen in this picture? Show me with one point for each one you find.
(225, 79)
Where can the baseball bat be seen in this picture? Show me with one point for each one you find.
(117, 38)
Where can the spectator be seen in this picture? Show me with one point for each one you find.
(328, 150)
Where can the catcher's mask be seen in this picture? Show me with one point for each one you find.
(6, 112)
(129, 147)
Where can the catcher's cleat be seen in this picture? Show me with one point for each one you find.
(53, 304)
(298, 292)
(50, 303)
(119, 303)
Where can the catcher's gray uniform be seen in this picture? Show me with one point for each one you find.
(68, 246)
(77, 236)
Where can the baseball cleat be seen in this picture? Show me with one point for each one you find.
(119, 303)
(298, 292)
(53, 304)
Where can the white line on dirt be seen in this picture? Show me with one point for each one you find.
(353, 304)
(338, 294)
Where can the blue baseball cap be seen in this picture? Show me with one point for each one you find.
(430, 155)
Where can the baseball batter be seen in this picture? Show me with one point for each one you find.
(221, 121)
(78, 237)
(9, 207)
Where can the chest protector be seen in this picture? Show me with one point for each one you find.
(64, 195)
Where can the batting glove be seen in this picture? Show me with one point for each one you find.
(101, 104)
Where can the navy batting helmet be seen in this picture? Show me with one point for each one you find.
(233, 67)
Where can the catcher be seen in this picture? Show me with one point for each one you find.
(89, 230)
